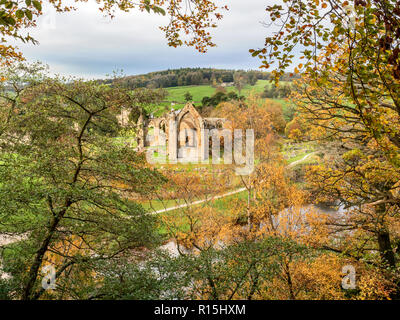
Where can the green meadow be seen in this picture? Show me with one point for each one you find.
(176, 95)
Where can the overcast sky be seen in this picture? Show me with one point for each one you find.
(85, 44)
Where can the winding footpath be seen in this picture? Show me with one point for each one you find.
(300, 160)
(198, 201)
(225, 194)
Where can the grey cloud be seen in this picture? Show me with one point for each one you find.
(83, 43)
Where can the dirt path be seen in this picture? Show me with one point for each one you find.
(198, 201)
(222, 195)
(300, 160)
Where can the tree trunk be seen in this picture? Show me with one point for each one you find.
(385, 249)
(34, 270)
(290, 283)
(249, 217)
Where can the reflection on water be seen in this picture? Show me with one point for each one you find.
(331, 209)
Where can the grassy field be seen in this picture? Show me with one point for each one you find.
(295, 151)
(155, 205)
(176, 95)
(222, 205)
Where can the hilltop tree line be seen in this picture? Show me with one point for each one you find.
(191, 76)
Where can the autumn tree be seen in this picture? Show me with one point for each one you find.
(349, 96)
(255, 115)
(239, 81)
(67, 184)
(195, 226)
(297, 129)
(215, 255)
(351, 52)
(258, 115)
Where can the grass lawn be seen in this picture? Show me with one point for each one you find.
(159, 205)
(297, 157)
(123, 141)
(295, 151)
(221, 205)
(176, 95)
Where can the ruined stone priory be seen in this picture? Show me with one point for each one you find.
(182, 132)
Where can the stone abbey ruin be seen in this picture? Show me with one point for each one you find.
(185, 133)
